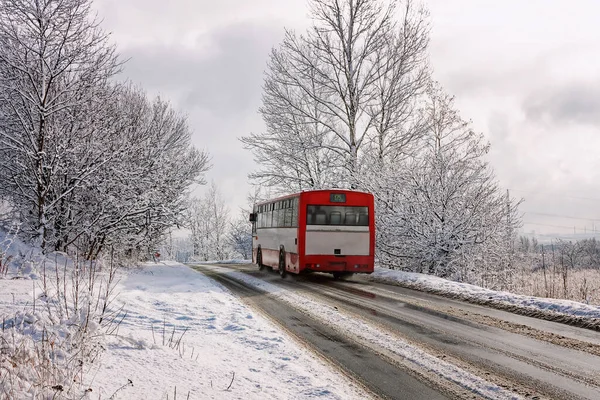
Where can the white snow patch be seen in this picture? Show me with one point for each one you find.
(218, 337)
(444, 286)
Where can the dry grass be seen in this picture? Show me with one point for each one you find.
(582, 285)
(48, 347)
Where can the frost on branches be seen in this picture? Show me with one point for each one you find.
(348, 84)
(441, 211)
(84, 162)
(351, 104)
(209, 223)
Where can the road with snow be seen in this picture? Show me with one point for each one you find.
(401, 343)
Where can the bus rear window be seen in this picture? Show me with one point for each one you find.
(337, 215)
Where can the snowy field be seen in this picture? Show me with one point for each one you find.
(219, 336)
(184, 334)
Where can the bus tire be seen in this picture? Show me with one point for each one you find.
(282, 270)
(259, 262)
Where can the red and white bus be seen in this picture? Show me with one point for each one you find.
(321, 230)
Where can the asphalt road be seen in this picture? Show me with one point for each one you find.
(530, 357)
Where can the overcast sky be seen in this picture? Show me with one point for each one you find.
(527, 73)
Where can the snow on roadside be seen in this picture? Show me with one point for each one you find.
(46, 337)
(347, 323)
(220, 337)
(465, 291)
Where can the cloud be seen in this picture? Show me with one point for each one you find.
(223, 74)
(570, 104)
(218, 84)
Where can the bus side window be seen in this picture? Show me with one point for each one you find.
(288, 217)
(295, 212)
(281, 218)
(335, 218)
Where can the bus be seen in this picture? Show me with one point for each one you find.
(330, 231)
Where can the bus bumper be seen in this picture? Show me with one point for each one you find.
(354, 264)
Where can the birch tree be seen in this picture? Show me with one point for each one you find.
(334, 93)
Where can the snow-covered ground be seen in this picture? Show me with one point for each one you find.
(183, 333)
(186, 334)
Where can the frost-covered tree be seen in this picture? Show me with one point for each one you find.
(295, 151)
(443, 212)
(346, 87)
(142, 191)
(240, 236)
(351, 104)
(54, 66)
(208, 220)
(84, 162)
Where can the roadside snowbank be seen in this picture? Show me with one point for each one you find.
(566, 311)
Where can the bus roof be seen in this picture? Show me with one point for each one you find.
(287, 196)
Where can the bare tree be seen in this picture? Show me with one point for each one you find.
(403, 75)
(54, 63)
(240, 236)
(570, 257)
(209, 223)
(445, 213)
(350, 82)
(294, 150)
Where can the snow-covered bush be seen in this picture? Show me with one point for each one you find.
(52, 330)
(91, 163)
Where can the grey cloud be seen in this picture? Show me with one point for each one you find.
(507, 158)
(227, 77)
(538, 185)
(573, 104)
(219, 87)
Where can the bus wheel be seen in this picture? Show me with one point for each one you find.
(282, 270)
(259, 259)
